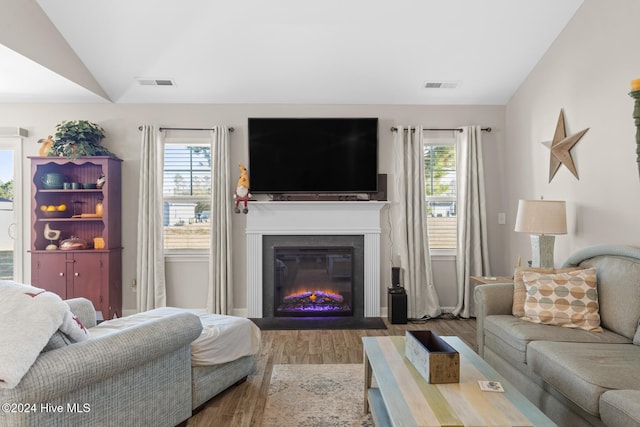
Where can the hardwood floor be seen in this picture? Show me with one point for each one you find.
(243, 405)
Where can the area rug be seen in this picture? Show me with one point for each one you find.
(308, 323)
(316, 396)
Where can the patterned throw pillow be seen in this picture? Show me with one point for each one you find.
(519, 290)
(71, 331)
(565, 299)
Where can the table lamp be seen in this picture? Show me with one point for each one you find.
(543, 219)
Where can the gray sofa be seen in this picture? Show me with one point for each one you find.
(139, 376)
(574, 376)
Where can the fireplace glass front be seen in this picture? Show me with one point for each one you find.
(313, 281)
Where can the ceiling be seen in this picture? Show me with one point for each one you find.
(278, 51)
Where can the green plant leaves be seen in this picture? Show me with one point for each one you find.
(76, 138)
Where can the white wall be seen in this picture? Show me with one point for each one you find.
(587, 71)
(121, 123)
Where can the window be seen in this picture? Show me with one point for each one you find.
(187, 196)
(441, 192)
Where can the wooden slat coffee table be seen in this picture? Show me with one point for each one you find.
(403, 398)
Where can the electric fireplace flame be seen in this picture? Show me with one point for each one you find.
(314, 281)
(319, 300)
(323, 295)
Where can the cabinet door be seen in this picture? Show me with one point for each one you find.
(86, 277)
(49, 271)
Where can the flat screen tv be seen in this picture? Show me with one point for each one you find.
(313, 155)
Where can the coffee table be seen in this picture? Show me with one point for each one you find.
(403, 398)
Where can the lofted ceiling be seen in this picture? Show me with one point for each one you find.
(278, 51)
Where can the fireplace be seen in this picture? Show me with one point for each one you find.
(313, 281)
(270, 224)
(313, 276)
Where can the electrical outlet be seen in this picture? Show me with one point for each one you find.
(502, 218)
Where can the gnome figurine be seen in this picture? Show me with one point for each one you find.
(242, 190)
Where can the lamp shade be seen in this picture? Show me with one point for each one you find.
(541, 217)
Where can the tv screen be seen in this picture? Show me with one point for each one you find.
(313, 155)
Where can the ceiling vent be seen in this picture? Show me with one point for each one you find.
(447, 84)
(156, 82)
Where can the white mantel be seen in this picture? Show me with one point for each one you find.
(314, 218)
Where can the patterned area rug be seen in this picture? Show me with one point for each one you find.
(316, 396)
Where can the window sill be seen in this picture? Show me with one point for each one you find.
(443, 254)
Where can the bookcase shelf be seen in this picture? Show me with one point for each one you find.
(93, 274)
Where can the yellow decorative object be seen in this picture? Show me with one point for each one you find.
(635, 94)
(47, 144)
(99, 209)
(243, 181)
(98, 243)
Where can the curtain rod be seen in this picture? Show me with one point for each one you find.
(395, 129)
(161, 129)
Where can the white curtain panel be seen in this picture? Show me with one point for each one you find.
(150, 277)
(220, 295)
(409, 223)
(472, 257)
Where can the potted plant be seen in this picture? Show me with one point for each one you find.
(75, 138)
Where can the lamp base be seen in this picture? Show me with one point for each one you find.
(542, 250)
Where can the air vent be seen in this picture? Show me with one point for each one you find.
(155, 82)
(447, 84)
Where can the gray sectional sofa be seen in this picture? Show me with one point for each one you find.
(574, 376)
(140, 376)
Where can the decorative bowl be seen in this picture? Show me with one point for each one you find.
(57, 214)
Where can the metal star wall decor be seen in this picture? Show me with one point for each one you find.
(561, 148)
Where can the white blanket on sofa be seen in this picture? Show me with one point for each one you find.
(223, 338)
(29, 316)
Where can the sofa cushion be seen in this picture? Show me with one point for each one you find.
(618, 291)
(509, 336)
(519, 289)
(620, 408)
(584, 371)
(565, 299)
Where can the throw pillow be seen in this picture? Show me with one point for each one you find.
(71, 331)
(565, 299)
(636, 337)
(519, 291)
